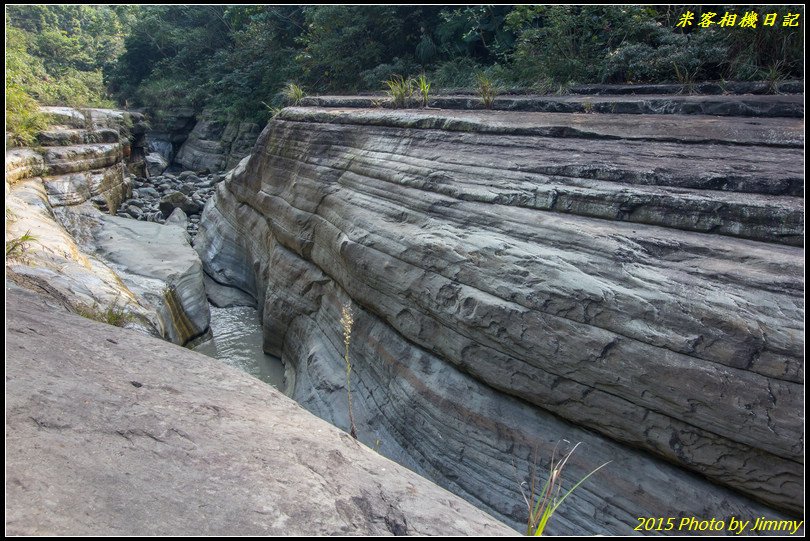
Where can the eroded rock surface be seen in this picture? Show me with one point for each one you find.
(109, 432)
(216, 145)
(634, 283)
(79, 254)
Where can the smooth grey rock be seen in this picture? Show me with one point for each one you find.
(188, 189)
(174, 200)
(749, 105)
(178, 218)
(155, 163)
(148, 191)
(164, 441)
(497, 294)
(223, 296)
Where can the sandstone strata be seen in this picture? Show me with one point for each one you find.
(631, 282)
(79, 255)
(216, 145)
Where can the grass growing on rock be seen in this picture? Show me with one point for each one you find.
(543, 503)
(293, 93)
(399, 90)
(114, 314)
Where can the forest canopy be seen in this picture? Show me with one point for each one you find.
(234, 60)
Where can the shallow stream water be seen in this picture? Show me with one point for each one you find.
(237, 341)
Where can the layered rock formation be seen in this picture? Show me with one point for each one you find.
(109, 432)
(216, 145)
(92, 262)
(519, 281)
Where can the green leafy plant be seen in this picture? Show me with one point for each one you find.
(347, 322)
(17, 246)
(486, 90)
(587, 106)
(293, 93)
(543, 503)
(399, 90)
(423, 86)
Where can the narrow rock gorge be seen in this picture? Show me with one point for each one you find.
(521, 282)
(525, 281)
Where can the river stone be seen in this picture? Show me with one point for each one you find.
(155, 163)
(174, 200)
(178, 218)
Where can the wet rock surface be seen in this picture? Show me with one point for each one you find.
(109, 432)
(627, 281)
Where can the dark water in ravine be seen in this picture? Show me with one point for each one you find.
(238, 342)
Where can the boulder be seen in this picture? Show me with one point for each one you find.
(155, 163)
(173, 200)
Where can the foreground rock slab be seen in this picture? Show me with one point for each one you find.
(109, 432)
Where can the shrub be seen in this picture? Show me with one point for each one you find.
(113, 315)
(17, 246)
(24, 121)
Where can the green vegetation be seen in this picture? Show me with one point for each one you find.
(399, 90)
(347, 322)
(233, 58)
(293, 93)
(113, 315)
(543, 503)
(17, 246)
(486, 90)
(423, 86)
(55, 55)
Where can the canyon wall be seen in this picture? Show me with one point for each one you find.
(524, 282)
(64, 194)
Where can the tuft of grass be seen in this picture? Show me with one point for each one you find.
(486, 90)
(16, 247)
(587, 106)
(399, 90)
(293, 93)
(686, 78)
(775, 76)
(543, 503)
(113, 315)
(347, 322)
(272, 111)
(423, 86)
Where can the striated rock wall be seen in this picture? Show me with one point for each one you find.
(216, 145)
(634, 283)
(90, 261)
